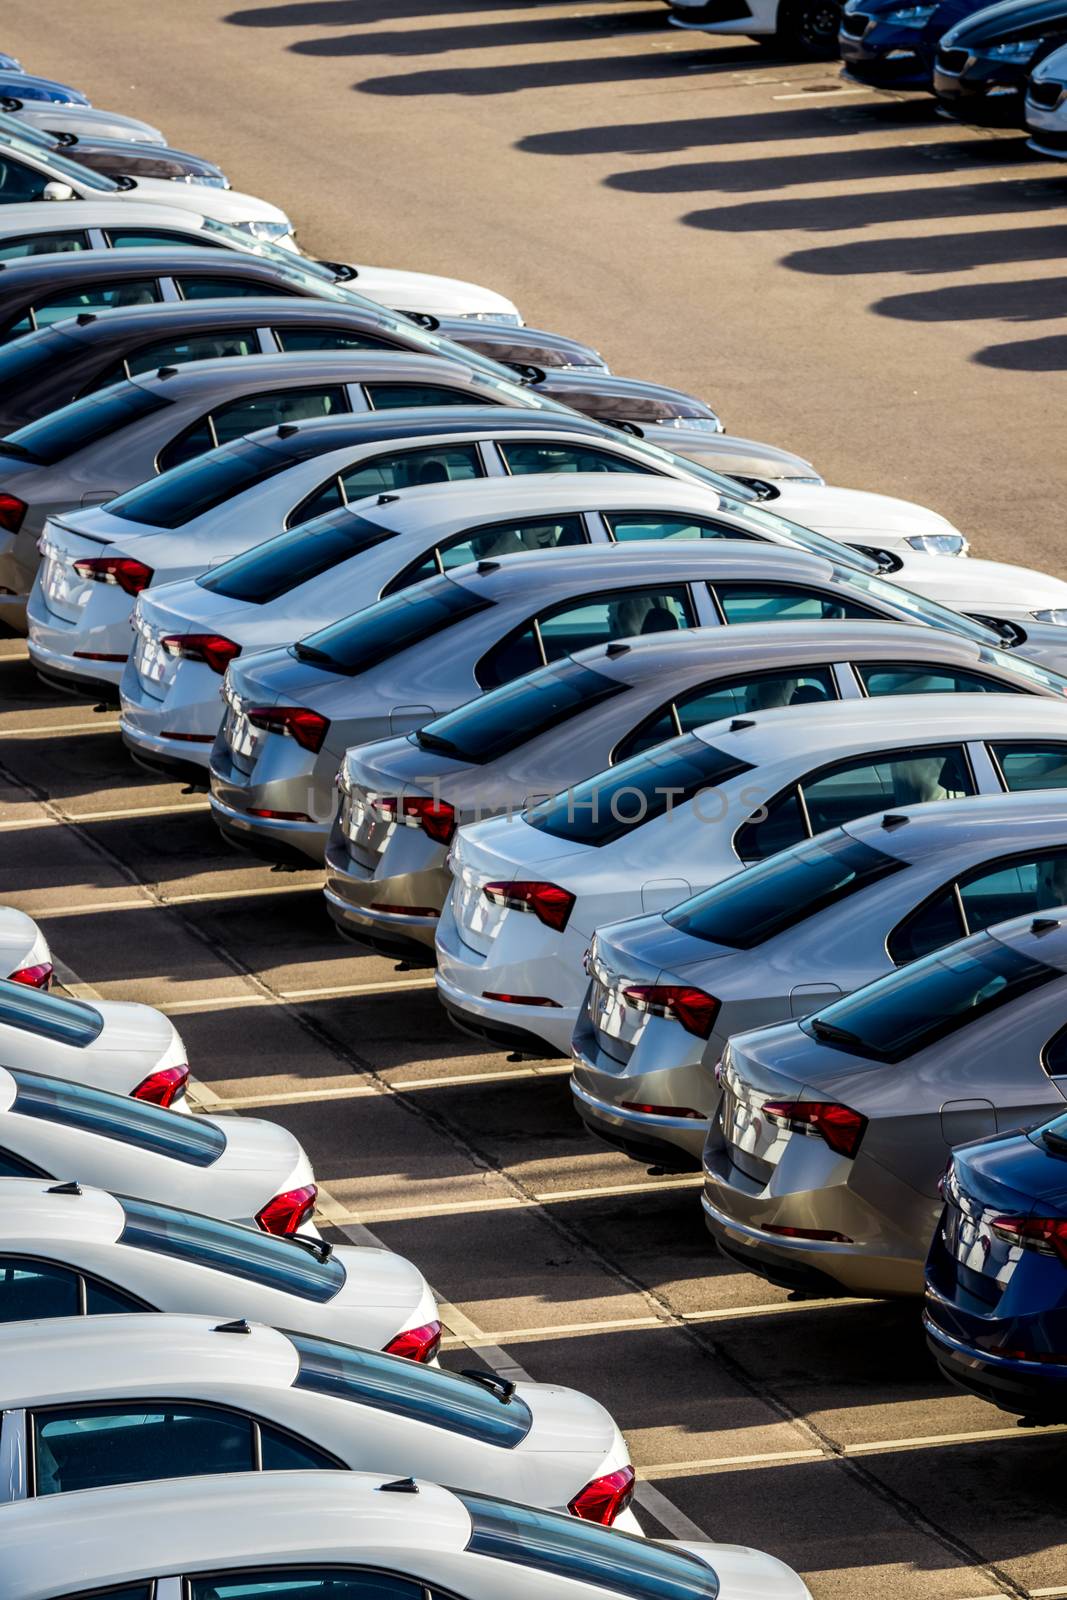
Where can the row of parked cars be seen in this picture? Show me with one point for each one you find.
(571, 693)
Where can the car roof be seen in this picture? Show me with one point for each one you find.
(535, 574)
(40, 1211)
(1001, 823)
(340, 366)
(59, 1543)
(29, 271)
(437, 508)
(33, 217)
(112, 327)
(582, 380)
(321, 435)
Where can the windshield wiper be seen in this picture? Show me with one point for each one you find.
(435, 741)
(833, 1034)
(308, 652)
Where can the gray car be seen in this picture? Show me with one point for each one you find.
(402, 798)
(800, 929)
(821, 1170)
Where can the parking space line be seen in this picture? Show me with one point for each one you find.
(809, 94)
(330, 992)
(354, 1091)
(47, 729)
(448, 1208)
(102, 816)
(93, 910)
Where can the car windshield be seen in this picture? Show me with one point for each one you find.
(306, 1269)
(753, 906)
(486, 728)
(1019, 667)
(379, 631)
(806, 538)
(614, 803)
(586, 1552)
(928, 611)
(406, 1389)
(899, 1015)
(71, 428)
(36, 355)
(320, 271)
(192, 1140)
(56, 163)
(269, 570)
(32, 1011)
(187, 492)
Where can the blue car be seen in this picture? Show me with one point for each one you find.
(22, 86)
(891, 44)
(996, 1278)
(10, 64)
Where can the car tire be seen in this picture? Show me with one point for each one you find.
(808, 28)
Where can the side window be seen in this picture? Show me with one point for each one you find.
(86, 1447)
(503, 539)
(284, 1452)
(387, 396)
(730, 697)
(43, 244)
(407, 469)
(979, 898)
(937, 922)
(624, 525)
(197, 288)
(31, 1289)
(887, 678)
(327, 497)
(1054, 1055)
(103, 1300)
(522, 457)
(245, 415)
(110, 297)
(327, 339)
(579, 624)
(1032, 766)
(304, 1583)
(146, 238)
(184, 446)
(18, 182)
(781, 602)
(779, 824)
(196, 347)
(12, 1166)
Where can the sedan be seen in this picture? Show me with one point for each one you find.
(805, 28)
(983, 63)
(530, 891)
(84, 121)
(891, 44)
(67, 1250)
(821, 1170)
(130, 1398)
(13, 81)
(794, 932)
(24, 953)
(1046, 106)
(117, 157)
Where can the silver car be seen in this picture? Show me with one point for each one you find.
(821, 1170)
(796, 931)
(402, 798)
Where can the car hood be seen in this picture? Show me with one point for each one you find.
(424, 291)
(1053, 68)
(985, 586)
(729, 453)
(746, 1574)
(833, 510)
(225, 205)
(1010, 19)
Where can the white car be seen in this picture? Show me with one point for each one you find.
(85, 122)
(69, 1251)
(110, 221)
(529, 891)
(249, 1537)
(239, 1168)
(117, 1045)
(1046, 105)
(24, 953)
(800, 27)
(124, 1398)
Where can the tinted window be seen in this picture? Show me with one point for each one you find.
(582, 623)
(1041, 765)
(986, 895)
(104, 1300)
(19, 183)
(409, 469)
(31, 1289)
(650, 525)
(146, 238)
(12, 1166)
(263, 1258)
(43, 244)
(187, 492)
(748, 909)
(611, 804)
(936, 923)
(233, 421)
(225, 288)
(27, 361)
(524, 457)
(128, 1591)
(586, 1552)
(406, 1389)
(73, 427)
(730, 697)
(272, 569)
(481, 544)
(361, 641)
(192, 1140)
(194, 347)
(902, 1014)
(109, 297)
(386, 396)
(327, 339)
(86, 1447)
(284, 1452)
(782, 602)
(897, 678)
(304, 1583)
(487, 728)
(1054, 1055)
(33, 1011)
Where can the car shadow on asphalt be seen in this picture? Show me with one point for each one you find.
(1027, 355)
(951, 252)
(1027, 300)
(482, 36)
(841, 212)
(663, 67)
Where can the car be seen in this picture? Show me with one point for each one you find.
(530, 350)
(116, 157)
(805, 28)
(756, 464)
(995, 1278)
(27, 86)
(114, 1044)
(983, 62)
(821, 1169)
(87, 121)
(1046, 105)
(631, 402)
(241, 1169)
(530, 891)
(69, 1250)
(10, 63)
(892, 44)
(236, 1396)
(253, 1537)
(24, 953)
(790, 934)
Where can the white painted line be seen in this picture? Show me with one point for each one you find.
(810, 94)
(223, 1001)
(513, 1202)
(103, 816)
(577, 1330)
(343, 989)
(45, 730)
(355, 1091)
(937, 1440)
(777, 1308)
(166, 899)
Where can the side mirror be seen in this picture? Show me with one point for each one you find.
(57, 191)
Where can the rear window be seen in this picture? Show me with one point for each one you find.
(262, 1258)
(186, 492)
(901, 1014)
(586, 1552)
(113, 1116)
(379, 631)
(507, 717)
(424, 1394)
(272, 569)
(38, 355)
(755, 905)
(82, 423)
(607, 806)
(33, 1011)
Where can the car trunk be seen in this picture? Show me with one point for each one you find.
(478, 858)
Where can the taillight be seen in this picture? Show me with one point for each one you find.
(663, 1111)
(823, 1235)
(288, 1212)
(295, 722)
(436, 818)
(838, 1126)
(130, 576)
(416, 1344)
(12, 511)
(1046, 1235)
(695, 1010)
(604, 1498)
(38, 977)
(210, 648)
(549, 903)
(163, 1087)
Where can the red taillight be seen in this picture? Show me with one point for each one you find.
(278, 816)
(1047, 1235)
(825, 1235)
(519, 999)
(604, 1498)
(549, 903)
(694, 1009)
(288, 1212)
(130, 576)
(38, 977)
(416, 1344)
(838, 1126)
(163, 1087)
(436, 818)
(663, 1111)
(394, 910)
(210, 648)
(12, 511)
(295, 722)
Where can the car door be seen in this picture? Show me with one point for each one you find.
(389, 396)
(304, 336)
(202, 286)
(729, 697)
(245, 414)
(626, 525)
(389, 471)
(1030, 763)
(912, 677)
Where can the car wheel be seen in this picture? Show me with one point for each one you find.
(808, 28)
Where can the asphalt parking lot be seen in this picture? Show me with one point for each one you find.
(837, 271)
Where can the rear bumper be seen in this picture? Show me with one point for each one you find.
(407, 938)
(355, 897)
(63, 674)
(1025, 1388)
(671, 1142)
(269, 837)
